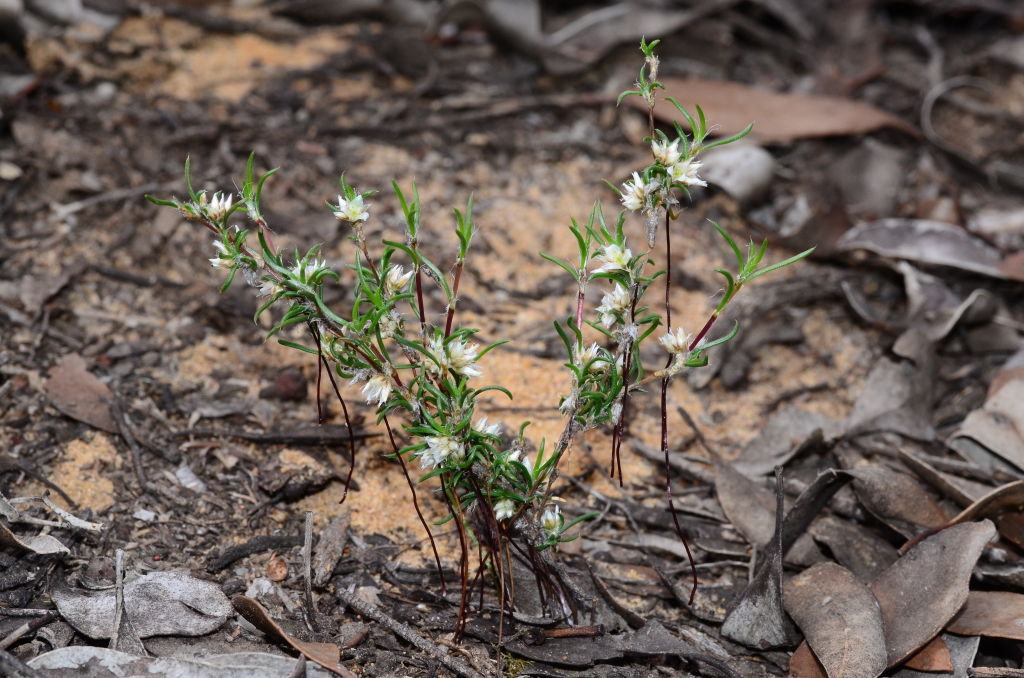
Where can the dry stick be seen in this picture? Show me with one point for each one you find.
(416, 505)
(12, 667)
(404, 631)
(460, 623)
(664, 405)
(344, 408)
(26, 628)
(307, 557)
(126, 433)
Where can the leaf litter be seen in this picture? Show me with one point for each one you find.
(832, 379)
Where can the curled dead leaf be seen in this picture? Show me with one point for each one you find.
(840, 619)
(922, 591)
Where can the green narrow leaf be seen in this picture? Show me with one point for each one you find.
(157, 201)
(292, 344)
(787, 262)
(231, 277)
(732, 244)
(188, 179)
(561, 263)
(711, 344)
(689, 119)
(626, 94)
(703, 122)
(737, 137)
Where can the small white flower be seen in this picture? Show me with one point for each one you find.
(396, 280)
(568, 405)
(686, 173)
(300, 272)
(504, 509)
(378, 388)
(482, 426)
(677, 343)
(269, 287)
(352, 210)
(220, 262)
(440, 448)
(552, 519)
(667, 154)
(522, 458)
(614, 258)
(592, 356)
(390, 324)
(218, 207)
(615, 302)
(462, 358)
(636, 193)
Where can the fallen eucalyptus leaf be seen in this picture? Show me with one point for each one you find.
(898, 397)
(962, 650)
(840, 619)
(922, 591)
(748, 506)
(926, 242)
(158, 604)
(83, 661)
(79, 394)
(780, 117)
(327, 655)
(996, 614)
(44, 544)
(803, 663)
(932, 658)
(896, 500)
(782, 438)
(757, 619)
(962, 491)
(995, 430)
(855, 547)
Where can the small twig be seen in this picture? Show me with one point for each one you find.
(711, 661)
(26, 628)
(25, 612)
(129, 438)
(994, 672)
(405, 631)
(12, 667)
(309, 613)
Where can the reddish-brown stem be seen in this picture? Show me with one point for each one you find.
(419, 301)
(344, 408)
(704, 330)
(416, 505)
(664, 404)
(579, 307)
(456, 508)
(455, 299)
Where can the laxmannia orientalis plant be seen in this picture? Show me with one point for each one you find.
(428, 373)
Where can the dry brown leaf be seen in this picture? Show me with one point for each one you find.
(991, 435)
(927, 242)
(922, 591)
(896, 500)
(840, 619)
(776, 117)
(327, 655)
(747, 506)
(932, 658)
(964, 493)
(854, 547)
(997, 614)
(803, 663)
(44, 544)
(962, 650)
(79, 394)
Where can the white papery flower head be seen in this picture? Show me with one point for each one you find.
(396, 280)
(522, 458)
(269, 287)
(390, 324)
(685, 173)
(676, 343)
(667, 154)
(217, 207)
(552, 519)
(614, 257)
(592, 356)
(636, 193)
(310, 269)
(377, 389)
(352, 210)
(617, 301)
(504, 509)
(439, 449)
(462, 358)
(481, 426)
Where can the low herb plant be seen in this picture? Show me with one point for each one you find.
(426, 374)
